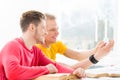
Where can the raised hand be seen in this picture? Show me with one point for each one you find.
(103, 48)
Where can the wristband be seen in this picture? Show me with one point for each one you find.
(92, 59)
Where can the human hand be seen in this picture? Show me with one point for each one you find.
(52, 68)
(103, 48)
(79, 72)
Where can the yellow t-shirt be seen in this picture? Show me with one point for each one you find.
(57, 47)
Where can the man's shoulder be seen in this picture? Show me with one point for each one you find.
(58, 44)
(12, 42)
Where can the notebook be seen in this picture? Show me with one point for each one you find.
(110, 71)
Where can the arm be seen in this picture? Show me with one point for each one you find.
(14, 70)
(83, 54)
(61, 68)
(78, 55)
(102, 50)
(64, 68)
(19, 63)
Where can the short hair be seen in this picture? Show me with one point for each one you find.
(50, 16)
(28, 17)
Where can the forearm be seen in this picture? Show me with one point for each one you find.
(79, 55)
(14, 70)
(64, 68)
(86, 63)
(61, 68)
(85, 54)
(24, 72)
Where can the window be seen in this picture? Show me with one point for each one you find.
(85, 23)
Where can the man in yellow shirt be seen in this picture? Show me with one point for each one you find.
(51, 47)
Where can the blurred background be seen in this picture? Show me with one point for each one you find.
(82, 23)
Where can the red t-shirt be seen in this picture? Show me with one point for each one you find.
(17, 62)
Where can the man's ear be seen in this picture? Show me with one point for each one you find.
(31, 27)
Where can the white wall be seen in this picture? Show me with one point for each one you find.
(117, 32)
(11, 11)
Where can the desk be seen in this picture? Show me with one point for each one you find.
(103, 78)
(58, 77)
(96, 71)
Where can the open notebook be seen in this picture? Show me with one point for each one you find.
(111, 71)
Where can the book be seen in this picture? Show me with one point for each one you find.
(57, 76)
(111, 71)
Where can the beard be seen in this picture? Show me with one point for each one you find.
(39, 39)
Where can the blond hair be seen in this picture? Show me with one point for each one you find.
(50, 16)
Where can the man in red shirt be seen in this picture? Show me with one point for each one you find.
(21, 60)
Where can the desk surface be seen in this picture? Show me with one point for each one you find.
(102, 78)
(110, 69)
(56, 77)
